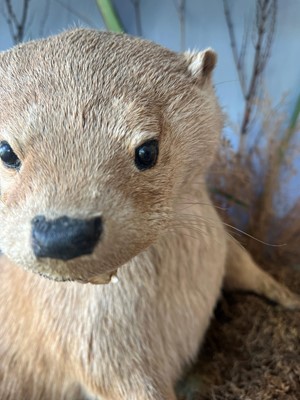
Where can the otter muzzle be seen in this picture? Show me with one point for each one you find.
(64, 238)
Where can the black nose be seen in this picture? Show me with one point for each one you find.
(64, 238)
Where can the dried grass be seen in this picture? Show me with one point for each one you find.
(251, 187)
(252, 350)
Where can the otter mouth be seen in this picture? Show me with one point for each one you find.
(103, 278)
(100, 279)
(53, 278)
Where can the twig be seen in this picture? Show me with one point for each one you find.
(242, 56)
(265, 8)
(266, 11)
(44, 18)
(138, 20)
(10, 26)
(237, 58)
(17, 28)
(181, 10)
(11, 12)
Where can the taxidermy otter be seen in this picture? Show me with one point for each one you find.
(105, 141)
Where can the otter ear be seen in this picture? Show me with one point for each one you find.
(201, 64)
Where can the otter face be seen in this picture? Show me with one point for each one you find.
(99, 133)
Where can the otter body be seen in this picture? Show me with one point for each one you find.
(105, 141)
(124, 340)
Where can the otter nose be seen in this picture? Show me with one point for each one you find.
(64, 238)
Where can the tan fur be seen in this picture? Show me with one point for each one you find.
(74, 107)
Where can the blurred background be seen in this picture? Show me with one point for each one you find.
(255, 177)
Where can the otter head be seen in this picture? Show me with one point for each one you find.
(99, 133)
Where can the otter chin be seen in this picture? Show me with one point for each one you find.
(102, 279)
(60, 271)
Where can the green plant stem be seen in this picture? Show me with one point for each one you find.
(109, 15)
(285, 142)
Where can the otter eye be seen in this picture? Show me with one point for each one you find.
(146, 155)
(8, 157)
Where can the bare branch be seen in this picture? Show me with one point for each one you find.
(44, 18)
(270, 32)
(29, 24)
(138, 20)
(181, 14)
(237, 58)
(180, 6)
(10, 25)
(16, 27)
(243, 51)
(25, 13)
(21, 30)
(11, 12)
(265, 24)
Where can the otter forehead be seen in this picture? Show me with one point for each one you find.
(83, 79)
(88, 63)
(84, 95)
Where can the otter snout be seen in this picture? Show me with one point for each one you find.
(64, 238)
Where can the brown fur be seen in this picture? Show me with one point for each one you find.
(74, 107)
